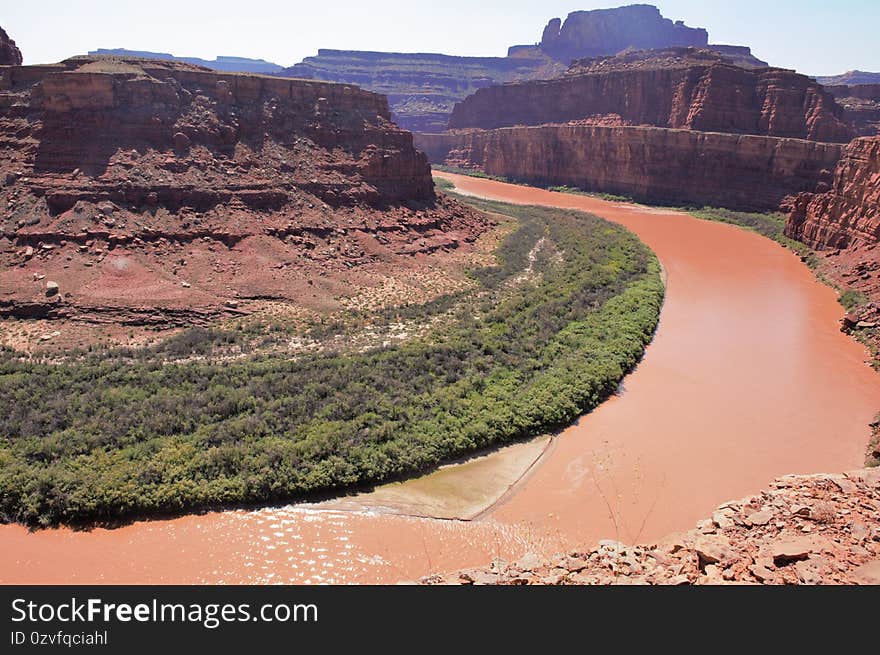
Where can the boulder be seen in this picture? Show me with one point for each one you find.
(790, 550)
(714, 549)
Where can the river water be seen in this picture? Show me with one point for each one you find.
(747, 378)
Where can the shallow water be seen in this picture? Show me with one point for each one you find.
(747, 378)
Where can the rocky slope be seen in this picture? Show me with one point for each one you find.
(140, 192)
(422, 89)
(807, 529)
(684, 88)
(651, 164)
(10, 55)
(861, 106)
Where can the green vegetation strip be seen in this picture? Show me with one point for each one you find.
(104, 437)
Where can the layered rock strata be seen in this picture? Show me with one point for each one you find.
(422, 89)
(650, 164)
(151, 191)
(848, 214)
(684, 88)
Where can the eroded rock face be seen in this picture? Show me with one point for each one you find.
(154, 192)
(683, 88)
(609, 31)
(849, 213)
(651, 164)
(10, 55)
(861, 106)
(806, 530)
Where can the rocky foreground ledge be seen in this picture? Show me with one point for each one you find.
(804, 529)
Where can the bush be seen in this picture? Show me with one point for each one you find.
(850, 299)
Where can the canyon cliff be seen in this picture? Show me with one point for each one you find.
(422, 89)
(10, 55)
(139, 191)
(685, 88)
(647, 163)
(849, 213)
(844, 223)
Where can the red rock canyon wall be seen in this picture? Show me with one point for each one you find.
(141, 184)
(849, 213)
(651, 164)
(677, 88)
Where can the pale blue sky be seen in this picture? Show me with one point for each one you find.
(814, 36)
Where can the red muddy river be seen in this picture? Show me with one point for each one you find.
(747, 378)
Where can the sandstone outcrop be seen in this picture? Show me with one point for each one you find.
(156, 192)
(685, 88)
(849, 213)
(803, 530)
(609, 31)
(10, 55)
(647, 163)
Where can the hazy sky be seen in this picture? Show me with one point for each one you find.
(813, 36)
